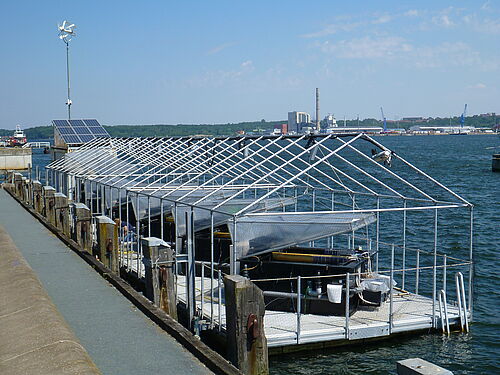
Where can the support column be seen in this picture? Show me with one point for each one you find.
(160, 282)
(246, 340)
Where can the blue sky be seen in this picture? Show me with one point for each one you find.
(154, 62)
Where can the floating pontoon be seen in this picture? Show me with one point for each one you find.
(314, 220)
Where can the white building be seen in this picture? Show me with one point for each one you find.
(364, 129)
(330, 121)
(296, 118)
(443, 129)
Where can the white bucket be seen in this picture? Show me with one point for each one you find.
(334, 293)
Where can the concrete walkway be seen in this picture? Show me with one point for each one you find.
(34, 338)
(118, 337)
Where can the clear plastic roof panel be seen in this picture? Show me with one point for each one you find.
(261, 233)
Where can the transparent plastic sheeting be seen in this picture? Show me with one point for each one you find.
(262, 233)
(202, 218)
(76, 161)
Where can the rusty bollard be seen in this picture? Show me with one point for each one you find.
(82, 227)
(18, 184)
(61, 213)
(37, 196)
(246, 341)
(107, 242)
(49, 203)
(158, 266)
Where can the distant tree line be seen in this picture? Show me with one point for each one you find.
(46, 132)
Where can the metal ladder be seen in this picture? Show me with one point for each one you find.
(444, 306)
(462, 302)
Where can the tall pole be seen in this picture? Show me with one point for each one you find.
(68, 103)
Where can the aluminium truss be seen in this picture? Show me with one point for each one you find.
(270, 191)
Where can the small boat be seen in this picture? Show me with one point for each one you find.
(18, 138)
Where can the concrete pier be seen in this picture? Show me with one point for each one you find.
(118, 337)
(34, 337)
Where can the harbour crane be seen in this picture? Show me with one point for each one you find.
(383, 119)
(462, 117)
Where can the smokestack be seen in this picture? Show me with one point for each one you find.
(317, 110)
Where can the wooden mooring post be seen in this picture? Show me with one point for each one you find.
(61, 213)
(29, 188)
(82, 227)
(37, 196)
(107, 243)
(160, 282)
(49, 204)
(246, 340)
(18, 184)
(25, 186)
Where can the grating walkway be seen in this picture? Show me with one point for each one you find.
(411, 313)
(118, 337)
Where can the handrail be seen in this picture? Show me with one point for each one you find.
(443, 305)
(462, 302)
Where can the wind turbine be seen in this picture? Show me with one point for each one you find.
(66, 33)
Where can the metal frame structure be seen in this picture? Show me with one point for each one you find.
(302, 181)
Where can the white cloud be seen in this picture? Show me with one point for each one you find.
(218, 78)
(219, 48)
(394, 48)
(367, 47)
(332, 29)
(486, 5)
(382, 19)
(346, 24)
(457, 54)
(443, 20)
(411, 13)
(478, 86)
(247, 65)
(487, 26)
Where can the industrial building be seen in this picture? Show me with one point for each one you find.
(443, 129)
(298, 119)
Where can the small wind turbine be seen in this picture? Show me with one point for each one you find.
(66, 33)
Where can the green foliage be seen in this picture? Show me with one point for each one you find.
(46, 132)
(182, 130)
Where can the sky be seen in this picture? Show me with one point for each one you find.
(172, 62)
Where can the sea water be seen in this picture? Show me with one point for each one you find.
(462, 163)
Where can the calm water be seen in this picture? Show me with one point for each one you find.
(463, 163)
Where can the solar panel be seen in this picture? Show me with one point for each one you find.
(79, 131)
(86, 137)
(72, 139)
(92, 122)
(76, 123)
(60, 123)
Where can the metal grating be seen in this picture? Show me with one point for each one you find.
(80, 131)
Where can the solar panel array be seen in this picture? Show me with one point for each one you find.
(80, 131)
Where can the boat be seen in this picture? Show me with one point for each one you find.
(18, 138)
